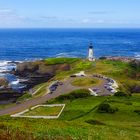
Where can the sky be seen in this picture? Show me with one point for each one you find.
(69, 13)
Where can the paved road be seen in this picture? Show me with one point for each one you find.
(103, 90)
(63, 89)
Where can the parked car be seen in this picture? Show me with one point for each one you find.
(60, 83)
(53, 88)
(105, 85)
(73, 76)
(109, 88)
(110, 84)
(97, 90)
(113, 91)
(18, 102)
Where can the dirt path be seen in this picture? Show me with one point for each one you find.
(63, 89)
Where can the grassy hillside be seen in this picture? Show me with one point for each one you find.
(83, 118)
(122, 72)
(54, 61)
(85, 82)
(80, 120)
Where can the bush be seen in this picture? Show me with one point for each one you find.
(24, 97)
(129, 103)
(94, 122)
(106, 108)
(137, 111)
(121, 94)
(82, 93)
(103, 58)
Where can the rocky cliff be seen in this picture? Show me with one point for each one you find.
(38, 72)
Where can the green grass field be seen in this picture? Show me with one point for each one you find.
(85, 82)
(54, 61)
(44, 111)
(76, 121)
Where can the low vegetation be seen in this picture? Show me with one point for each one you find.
(80, 120)
(106, 108)
(54, 61)
(85, 82)
(119, 94)
(25, 97)
(137, 111)
(82, 93)
(94, 122)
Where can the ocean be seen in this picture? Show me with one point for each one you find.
(32, 44)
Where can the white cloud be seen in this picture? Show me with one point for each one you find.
(11, 18)
(8, 14)
(92, 21)
(101, 12)
(85, 20)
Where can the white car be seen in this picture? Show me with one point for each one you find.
(113, 91)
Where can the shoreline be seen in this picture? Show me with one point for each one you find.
(27, 74)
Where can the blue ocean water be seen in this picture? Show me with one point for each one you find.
(24, 44)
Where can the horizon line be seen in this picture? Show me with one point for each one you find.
(69, 27)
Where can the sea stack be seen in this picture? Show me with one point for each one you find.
(91, 54)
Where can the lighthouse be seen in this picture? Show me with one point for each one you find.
(90, 53)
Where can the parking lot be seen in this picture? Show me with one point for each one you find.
(105, 87)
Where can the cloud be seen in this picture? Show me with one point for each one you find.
(9, 15)
(5, 11)
(92, 21)
(11, 18)
(100, 12)
(48, 17)
(52, 19)
(85, 20)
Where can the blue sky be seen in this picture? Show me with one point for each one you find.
(69, 13)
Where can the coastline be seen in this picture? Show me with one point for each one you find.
(23, 75)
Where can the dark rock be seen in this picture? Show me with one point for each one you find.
(24, 68)
(38, 72)
(3, 82)
(135, 64)
(135, 89)
(8, 96)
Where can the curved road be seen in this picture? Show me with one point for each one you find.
(63, 89)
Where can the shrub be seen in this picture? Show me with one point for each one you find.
(102, 58)
(129, 103)
(94, 122)
(82, 93)
(106, 108)
(24, 97)
(137, 111)
(121, 94)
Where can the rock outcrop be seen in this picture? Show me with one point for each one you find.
(31, 73)
(38, 72)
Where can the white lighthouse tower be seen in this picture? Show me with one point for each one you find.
(90, 53)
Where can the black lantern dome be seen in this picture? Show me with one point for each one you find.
(90, 46)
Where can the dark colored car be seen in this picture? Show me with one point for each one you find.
(53, 88)
(60, 83)
(73, 76)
